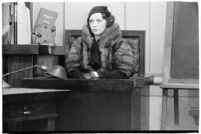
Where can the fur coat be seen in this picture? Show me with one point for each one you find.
(115, 53)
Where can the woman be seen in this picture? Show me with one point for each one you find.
(101, 52)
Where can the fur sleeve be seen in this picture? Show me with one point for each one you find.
(122, 59)
(74, 56)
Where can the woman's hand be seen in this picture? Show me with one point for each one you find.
(91, 75)
(87, 76)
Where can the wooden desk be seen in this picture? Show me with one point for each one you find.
(30, 109)
(100, 105)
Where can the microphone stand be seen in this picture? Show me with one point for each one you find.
(6, 85)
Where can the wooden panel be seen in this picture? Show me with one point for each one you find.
(181, 46)
(144, 107)
(100, 111)
(185, 51)
(84, 85)
(20, 49)
(26, 126)
(103, 111)
(34, 96)
(32, 49)
(50, 50)
(97, 111)
(30, 111)
(23, 116)
(18, 62)
(27, 109)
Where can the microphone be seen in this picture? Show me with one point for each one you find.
(6, 85)
(43, 68)
(57, 71)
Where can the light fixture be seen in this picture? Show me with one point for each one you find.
(57, 71)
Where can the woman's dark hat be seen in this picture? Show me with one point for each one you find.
(99, 9)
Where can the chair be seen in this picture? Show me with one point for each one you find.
(135, 38)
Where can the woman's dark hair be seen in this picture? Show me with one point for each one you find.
(110, 20)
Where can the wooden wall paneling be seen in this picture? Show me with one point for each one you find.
(145, 107)
(136, 122)
(102, 110)
(17, 62)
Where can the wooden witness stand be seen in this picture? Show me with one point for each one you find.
(181, 67)
(98, 105)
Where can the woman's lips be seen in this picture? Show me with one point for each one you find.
(95, 30)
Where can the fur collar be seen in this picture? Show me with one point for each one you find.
(110, 36)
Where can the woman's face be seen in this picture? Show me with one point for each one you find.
(97, 24)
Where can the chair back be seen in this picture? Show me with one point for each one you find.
(136, 39)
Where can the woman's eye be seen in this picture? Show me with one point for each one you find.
(99, 20)
(90, 21)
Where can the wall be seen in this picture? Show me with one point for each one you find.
(73, 9)
(156, 51)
